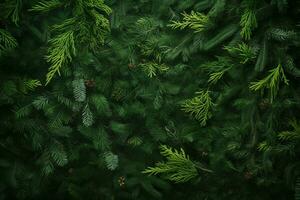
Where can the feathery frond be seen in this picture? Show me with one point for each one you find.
(46, 6)
(248, 21)
(111, 160)
(79, 90)
(7, 41)
(271, 81)
(195, 21)
(87, 116)
(61, 51)
(178, 167)
(199, 107)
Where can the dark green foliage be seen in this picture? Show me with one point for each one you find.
(216, 81)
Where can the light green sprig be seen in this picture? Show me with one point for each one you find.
(196, 21)
(271, 81)
(178, 167)
(199, 107)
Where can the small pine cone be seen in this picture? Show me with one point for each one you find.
(131, 66)
(121, 181)
(90, 83)
(204, 153)
(264, 104)
(248, 175)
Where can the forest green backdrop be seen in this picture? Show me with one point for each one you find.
(149, 99)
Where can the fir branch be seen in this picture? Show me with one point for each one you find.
(58, 154)
(217, 68)
(216, 76)
(12, 9)
(199, 107)
(31, 84)
(178, 167)
(111, 160)
(293, 135)
(87, 116)
(61, 51)
(7, 41)
(101, 140)
(46, 6)
(79, 90)
(195, 21)
(135, 141)
(145, 26)
(99, 4)
(101, 103)
(248, 23)
(40, 103)
(245, 52)
(264, 147)
(271, 81)
(281, 35)
(152, 68)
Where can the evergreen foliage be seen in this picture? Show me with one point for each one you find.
(178, 167)
(212, 84)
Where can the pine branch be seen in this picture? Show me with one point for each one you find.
(199, 107)
(195, 21)
(58, 154)
(31, 85)
(293, 135)
(281, 35)
(271, 81)
(7, 41)
(248, 20)
(101, 103)
(87, 116)
(178, 167)
(152, 68)
(79, 90)
(61, 51)
(101, 140)
(245, 52)
(12, 9)
(216, 76)
(46, 6)
(111, 160)
(40, 103)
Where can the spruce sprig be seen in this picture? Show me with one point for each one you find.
(153, 68)
(46, 6)
(7, 41)
(291, 135)
(248, 23)
(271, 81)
(61, 51)
(199, 106)
(178, 167)
(245, 52)
(195, 21)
